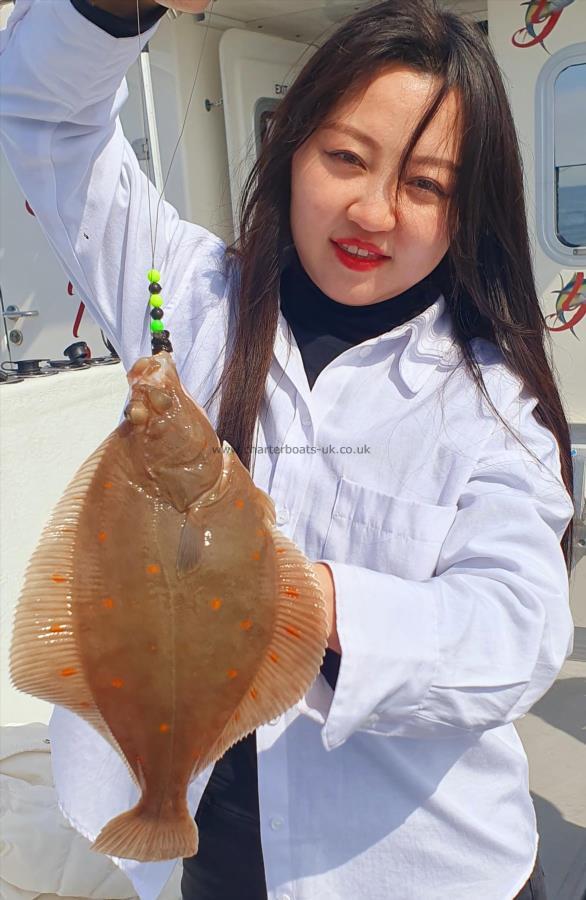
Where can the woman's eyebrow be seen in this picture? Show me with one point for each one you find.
(370, 141)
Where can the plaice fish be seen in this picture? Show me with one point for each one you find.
(163, 606)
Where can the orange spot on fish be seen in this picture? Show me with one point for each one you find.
(108, 485)
(164, 728)
(253, 693)
(58, 579)
(236, 716)
(255, 555)
(102, 536)
(261, 532)
(215, 603)
(281, 549)
(294, 631)
(246, 624)
(274, 657)
(108, 603)
(56, 627)
(85, 705)
(232, 673)
(117, 683)
(152, 648)
(239, 504)
(153, 569)
(291, 592)
(70, 670)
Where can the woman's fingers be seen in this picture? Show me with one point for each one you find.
(188, 6)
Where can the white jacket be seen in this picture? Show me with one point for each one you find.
(409, 781)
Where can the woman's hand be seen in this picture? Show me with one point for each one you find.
(188, 6)
(126, 9)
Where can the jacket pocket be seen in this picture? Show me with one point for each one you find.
(386, 533)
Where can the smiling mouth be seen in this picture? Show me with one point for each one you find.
(359, 249)
(359, 261)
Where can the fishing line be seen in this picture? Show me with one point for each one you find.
(160, 339)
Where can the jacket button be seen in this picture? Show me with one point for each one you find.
(276, 823)
(282, 515)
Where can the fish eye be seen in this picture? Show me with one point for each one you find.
(136, 413)
(160, 401)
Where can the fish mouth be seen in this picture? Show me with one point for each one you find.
(153, 370)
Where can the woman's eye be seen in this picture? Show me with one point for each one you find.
(345, 156)
(427, 185)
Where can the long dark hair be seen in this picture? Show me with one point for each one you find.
(489, 282)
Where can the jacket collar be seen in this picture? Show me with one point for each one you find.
(430, 341)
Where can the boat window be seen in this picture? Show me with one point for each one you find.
(570, 155)
(561, 156)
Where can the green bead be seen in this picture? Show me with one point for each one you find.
(153, 275)
(156, 300)
(157, 325)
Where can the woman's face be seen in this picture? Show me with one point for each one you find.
(343, 188)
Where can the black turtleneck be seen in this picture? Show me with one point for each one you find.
(228, 815)
(324, 328)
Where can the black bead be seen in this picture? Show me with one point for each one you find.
(157, 312)
(155, 288)
(158, 345)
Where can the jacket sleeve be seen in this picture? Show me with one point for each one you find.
(477, 644)
(62, 88)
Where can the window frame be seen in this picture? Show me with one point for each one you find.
(545, 181)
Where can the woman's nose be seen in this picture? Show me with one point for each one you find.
(375, 212)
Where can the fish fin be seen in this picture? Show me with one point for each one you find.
(294, 655)
(44, 657)
(190, 546)
(137, 834)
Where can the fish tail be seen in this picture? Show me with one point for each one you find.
(138, 834)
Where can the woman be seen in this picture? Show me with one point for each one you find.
(407, 426)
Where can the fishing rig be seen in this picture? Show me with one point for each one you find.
(160, 337)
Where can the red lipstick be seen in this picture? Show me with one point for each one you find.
(357, 263)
